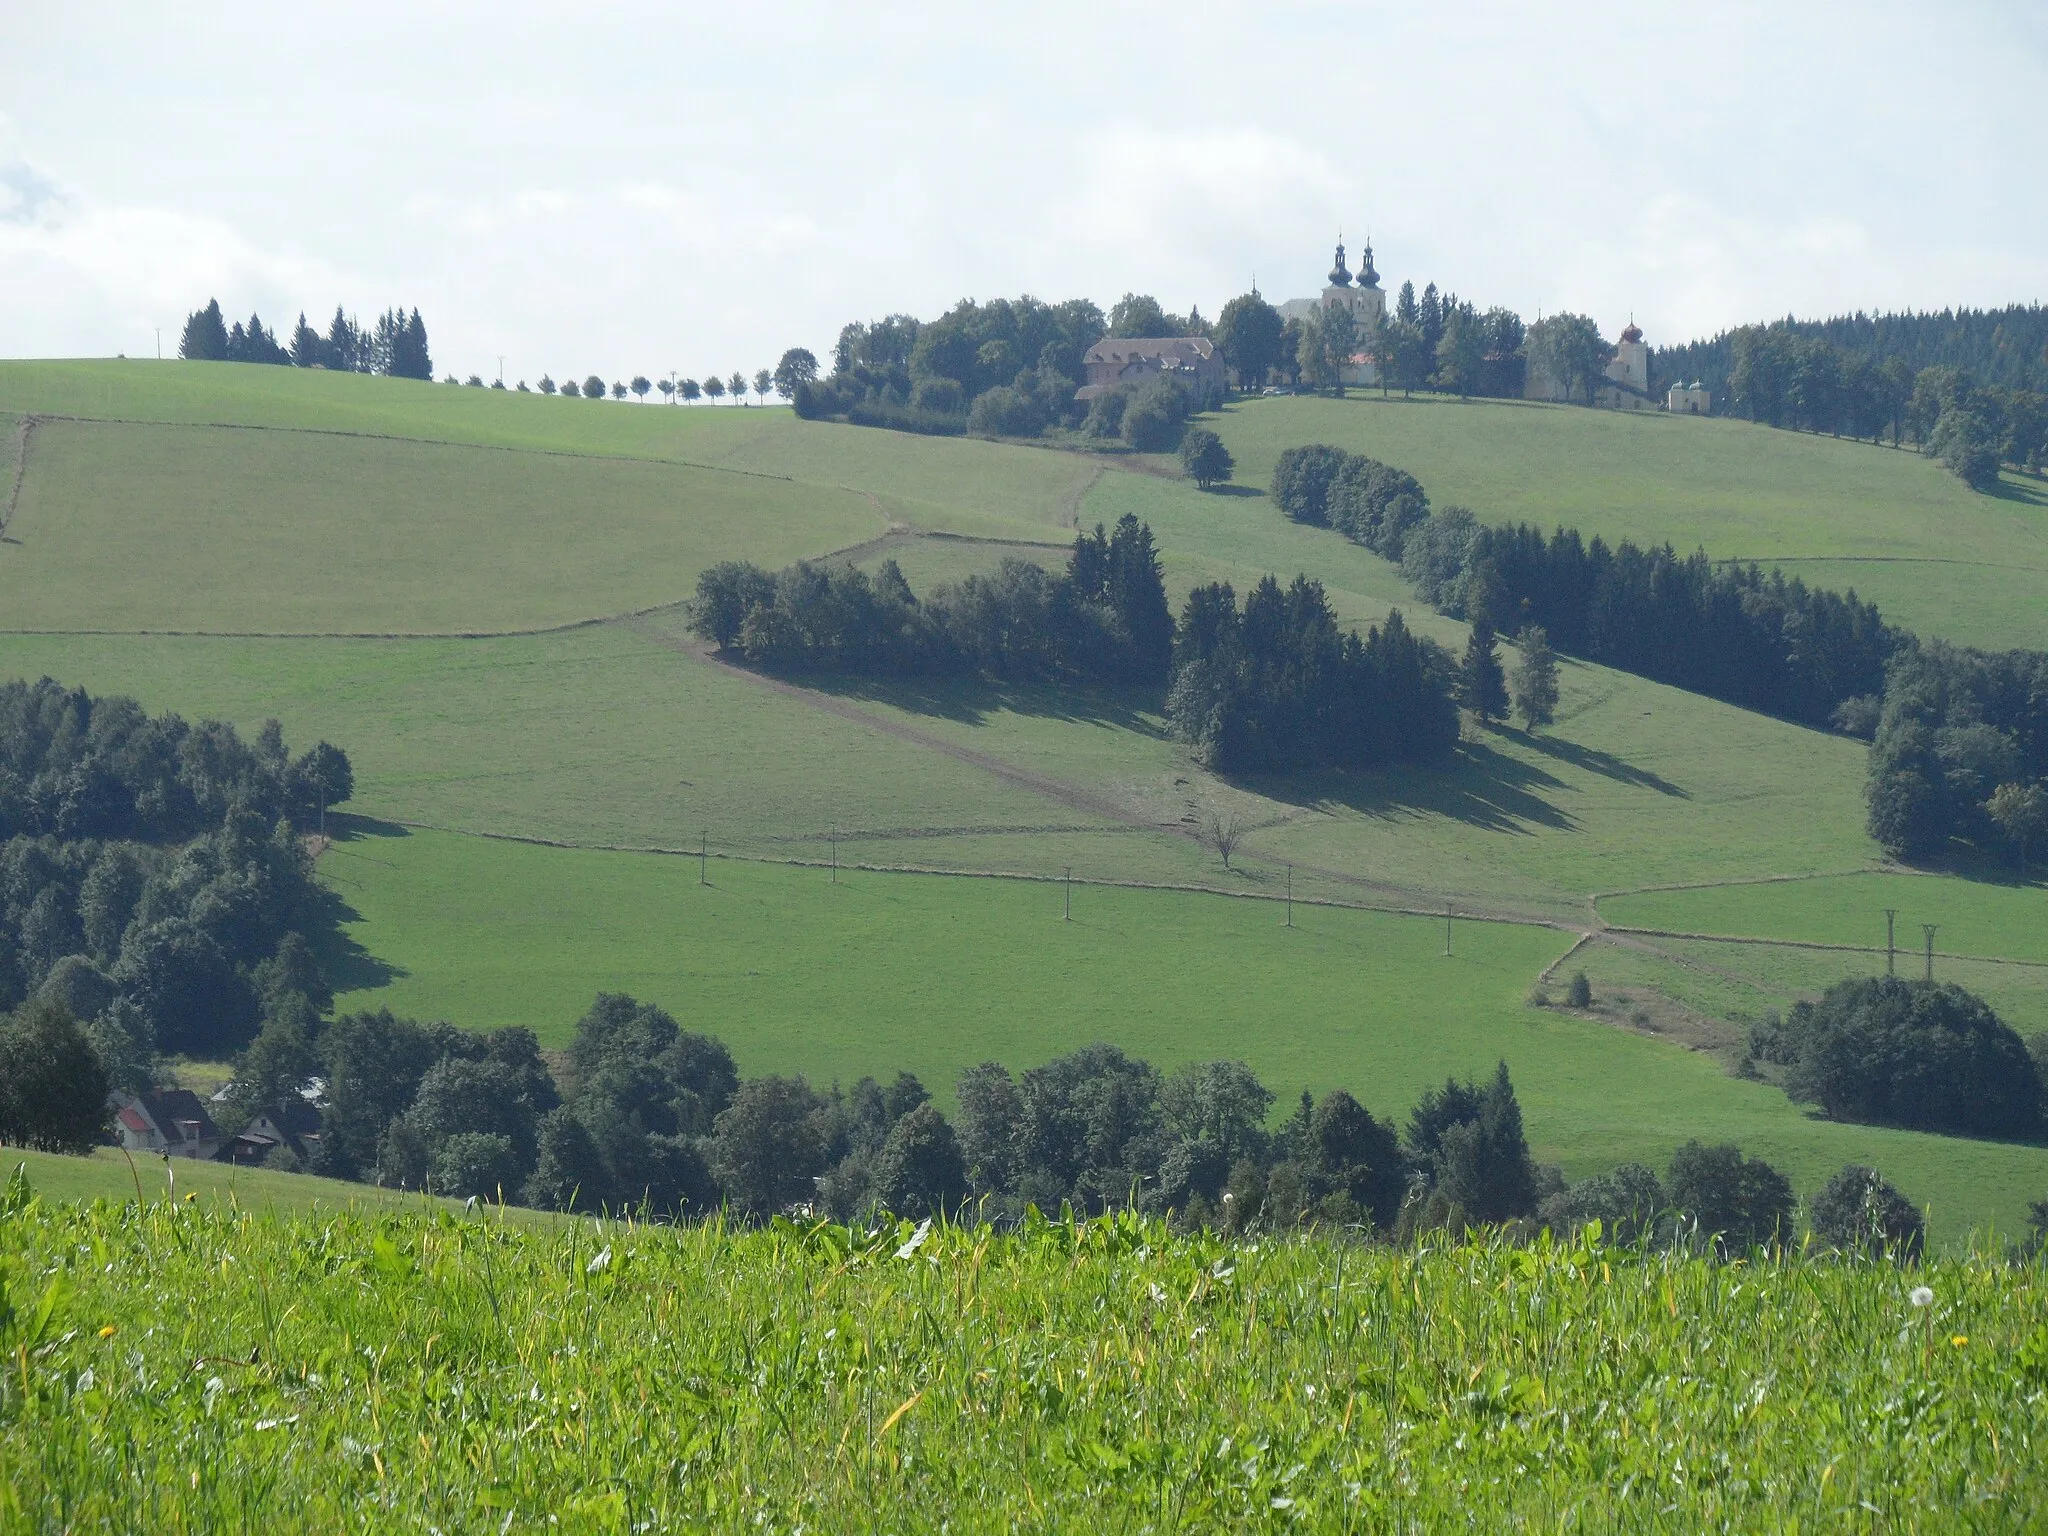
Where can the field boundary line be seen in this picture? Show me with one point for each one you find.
(22, 435)
(1724, 885)
(534, 840)
(426, 442)
(1816, 944)
(2002, 565)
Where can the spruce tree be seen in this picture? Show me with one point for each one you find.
(206, 335)
(1533, 685)
(305, 344)
(1482, 685)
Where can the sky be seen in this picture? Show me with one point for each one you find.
(640, 188)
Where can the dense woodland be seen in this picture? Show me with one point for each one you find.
(1277, 687)
(1969, 387)
(1960, 751)
(395, 344)
(2006, 348)
(1104, 619)
(153, 877)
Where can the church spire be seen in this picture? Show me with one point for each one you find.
(1368, 275)
(1340, 275)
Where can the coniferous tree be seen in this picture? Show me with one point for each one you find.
(1482, 686)
(1533, 684)
(206, 335)
(305, 344)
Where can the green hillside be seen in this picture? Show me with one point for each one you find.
(1934, 555)
(276, 517)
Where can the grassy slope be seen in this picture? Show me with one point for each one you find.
(1880, 519)
(931, 974)
(107, 1174)
(623, 735)
(149, 527)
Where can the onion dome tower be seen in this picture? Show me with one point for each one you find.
(1634, 331)
(1368, 275)
(1340, 275)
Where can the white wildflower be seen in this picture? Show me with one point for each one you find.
(1921, 1296)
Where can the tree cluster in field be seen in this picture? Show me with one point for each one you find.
(1370, 503)
(1959, 750)
(1436, 341)
(1924, 1056)
(1959, 737)
(1007, 368)
(1105, 618)
(152, 878)
(395, 344)
(1276, 686)
(1730, 632)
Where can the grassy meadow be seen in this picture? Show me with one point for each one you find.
(876, 973)
(268, 515)
(1935, 556)
(201, 1368)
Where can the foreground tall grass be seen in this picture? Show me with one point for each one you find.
(193, 1367)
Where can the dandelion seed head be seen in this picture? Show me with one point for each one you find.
(1921, 1296)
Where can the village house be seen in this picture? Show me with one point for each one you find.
(292, 1124)
(171, 1122)
(1117, 361)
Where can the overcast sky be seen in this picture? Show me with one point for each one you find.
(633, 188)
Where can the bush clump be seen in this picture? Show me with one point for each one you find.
(1919, 1055)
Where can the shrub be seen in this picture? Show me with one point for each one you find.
(1858, 1212)
(1581, 993)
(1930, 1057)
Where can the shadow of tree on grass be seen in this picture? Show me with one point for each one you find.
(1478, 785)
(344, 961)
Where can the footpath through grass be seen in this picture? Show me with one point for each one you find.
(201, 1369)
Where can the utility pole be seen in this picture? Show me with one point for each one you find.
(1068, 882)
(159, 343)
(501, 367)
(1447, 930)
(1290, 895)
(703, 844)
(1891, 948)
(1928, 929)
